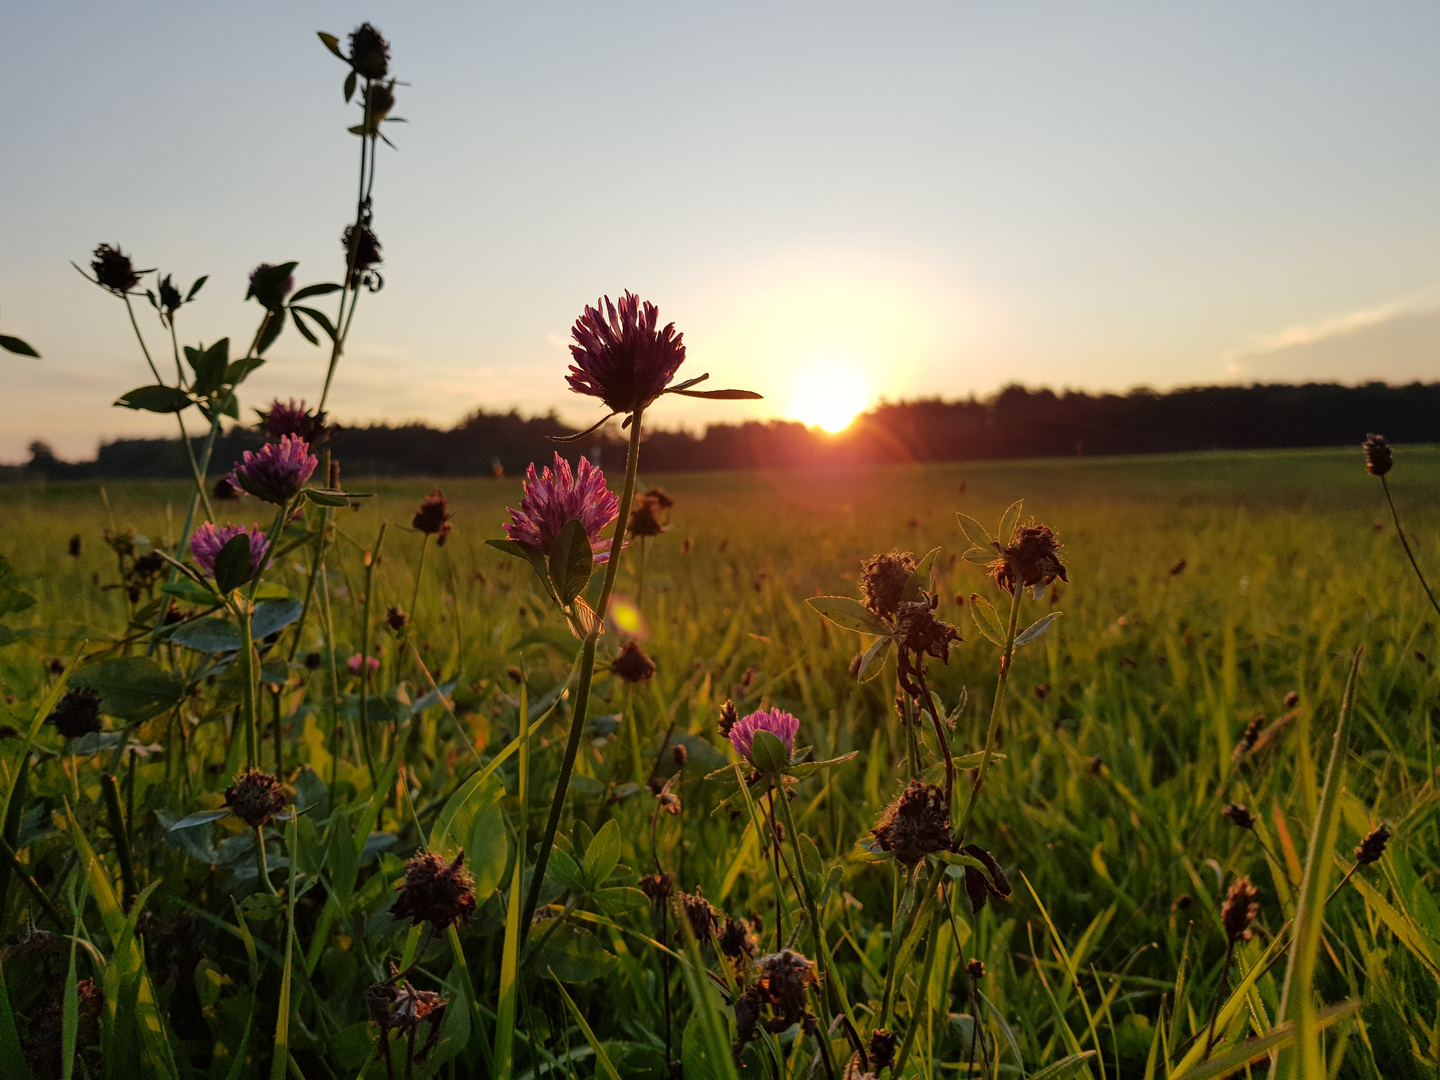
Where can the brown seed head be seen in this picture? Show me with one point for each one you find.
(1240, 910)
(436, 892)
(1292, 699)
(369, 52)
(632, 664)
(915, 824)
(657, 887)
(883, 579)
(729, 717)
(433, 517)
(1249, 738)
(784, 978)
(400, 1007)
(679, 755)
(736, 940)
(702, 916)
(1033, 558)
(650, 515)
(77, 714)
(882, 1049)
(918, 630)
(1379, 458)
(1373, 846)
(114, 270)
(75, 544)
(975, 968)
(255, 797)
(1239, 815)
(396, 618)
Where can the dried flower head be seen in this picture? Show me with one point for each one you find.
(558, 495)
(632, 664)
(680, 755)
(362, 249)
(396, 619)
(882, 581)
(1249, 738)
(400, 1007)
(729, 717)
(657, 887)
(916, 824)
(882, 1049)
(255, 797)
(650, 515)
(737, 941)
(114, 270)
(1240, 910)
(1033, 558)
(918, 630)
(278, 471)
(776, 721)
(289, 418)
(620, 356)
(436, 892)
(1373, 846)
(700, 913)
(1240, 815)
(784, 979)
(1379, 457)
(207, 542)
(433, 517)
(975, 968)
(76, 542)
(369, 52)
(77, 713)
(227, 489)
(270, 287)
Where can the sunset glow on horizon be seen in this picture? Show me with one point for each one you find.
(829, 396)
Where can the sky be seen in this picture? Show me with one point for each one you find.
(836, 203)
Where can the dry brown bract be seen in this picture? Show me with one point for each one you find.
(436, 892)
(915, 824)
(1240, 910)
(255, 797)
(1033, 558)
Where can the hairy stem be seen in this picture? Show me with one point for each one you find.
(1406, 544)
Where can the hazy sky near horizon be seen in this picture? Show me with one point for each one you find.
(830, 198)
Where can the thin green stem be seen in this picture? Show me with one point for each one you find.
(261, 867)
(419, 574)
(1406, 544)
(587, 673)
(130, 310)
(995, 712)
(121, 836)
(242, 612)
(370, 563)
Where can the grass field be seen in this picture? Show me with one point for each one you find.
(1203, 590)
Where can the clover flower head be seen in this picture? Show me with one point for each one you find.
(776, 721)
(77, 714)
(288, 418)
(558, 495)
(620, 356)
(114, 269)
(436, 892)
(268, 287)
(1379, 458)
(1240, 910)
(433, 517)
(207, 541)
(255, 797)
(360, 659)
(278, 470)
(369, 52)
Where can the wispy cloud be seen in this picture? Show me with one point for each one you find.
(1335, 326)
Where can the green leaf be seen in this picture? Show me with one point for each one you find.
(214, 635)
(332, 43)
(575, 955)
(471, 819)
(209, 366)
(189, 592)
(571, 561)
(305, 331)
(524, 551)
(132, 687)
(873, 662)
(1065, 1067)
(349, 86)
(324, 497)
(721, 395)
(200, 817)
(237, 370)
(596, 1046)
(602, 855)
(194, 289)
(806, 768)
(12, 597)
(157, 399)
(273, 616)
(975, 532)
(314, 290)
(981, 555)
(565, 872)
(618, 899)
(12, 1058)
(320, 318)
(556, 637)
(17, 346)
(342, 860)
(1008, 521)
(849, 613)
(987, 621)
(232, 565)
(273, 325)
(767, 753)
(919, 580)
(1037, 628)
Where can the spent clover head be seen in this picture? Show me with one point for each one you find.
(1379, 457)
(433, 517)
(288, 418)
(270, 285)
(1032, 558)
(557, 495)
(114, 270)
(278, 471)
(369, 52)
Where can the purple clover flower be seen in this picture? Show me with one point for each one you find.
(619, 355)
(278, 471)
(269, 288)
(207, 541)
(777, 722)
(287, 418)
(556, 496)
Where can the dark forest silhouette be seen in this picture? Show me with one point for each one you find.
(1015, 423)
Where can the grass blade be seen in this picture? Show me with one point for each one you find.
(599, 1050)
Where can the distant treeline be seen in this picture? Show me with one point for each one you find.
(1016, 422)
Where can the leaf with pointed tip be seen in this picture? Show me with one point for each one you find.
(200, 817)
(332, 43)
(194, 289)
(17, 346)
(807, 768)
(1009, 520)
(158, 398)
(873, 662)
(1035, 629)
(767, 753)
(236, 371)
(232, 565)
(349, 87)
(688, 383)
(305, 331)
(981, 555)
(919, 580)
(319, 317)
(321, 289)
(849, 613)
(571, 561)
(974, 531)
(987, 620)
(523, 551)
(721, 395)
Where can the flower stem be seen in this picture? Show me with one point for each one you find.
(242, 613)
(374, 557)
(995, 711)
(1406, 545)
(419, 573)
(261, 867)
(587, 674)
(1219, 992)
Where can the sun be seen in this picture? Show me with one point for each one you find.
(829, 396)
